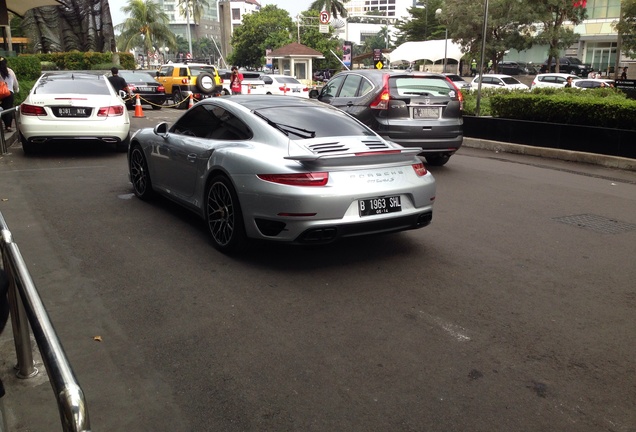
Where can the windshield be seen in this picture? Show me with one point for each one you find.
(72, 86)
(575, 61)
(196, 70)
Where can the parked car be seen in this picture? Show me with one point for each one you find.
(460, 82)
(588, 83)
(251, 81)
(413, 109)
(282, 169)
(498, 81)
(143, 83)
(569, 65)
(552, 80)
(515, 68)
(282, 85)
(181, 80)
(72, 106)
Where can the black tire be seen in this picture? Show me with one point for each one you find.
(223, 216)
(205, 83)
(123, 146)
(177, 97)
(225, 92)
(139, 174)
(438, 159)
(29, 148)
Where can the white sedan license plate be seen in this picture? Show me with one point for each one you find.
(421, 113)
(296, 90)
(376, 206)
(72, 112)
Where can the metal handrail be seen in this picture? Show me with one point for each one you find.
(26, 304)
(3, 142)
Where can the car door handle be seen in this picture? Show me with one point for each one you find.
(349, 104)
(192, 157)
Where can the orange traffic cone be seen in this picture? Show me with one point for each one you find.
(190, 104)
(138, 111)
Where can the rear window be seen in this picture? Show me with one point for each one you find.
(287, 80)
(196, 70)
(74, 86)
(315, 122)
(141, 77)
(413, 85)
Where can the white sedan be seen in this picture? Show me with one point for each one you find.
(556, 80)
(73, 107)
(283, 85)
(498, 81)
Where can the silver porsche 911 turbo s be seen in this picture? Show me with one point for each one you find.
(281, 169)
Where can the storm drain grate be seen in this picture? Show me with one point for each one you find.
(597, 223)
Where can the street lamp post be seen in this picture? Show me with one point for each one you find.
(483, 53)
(438, 12)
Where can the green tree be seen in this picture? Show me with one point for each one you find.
(146, 27)
(626, 27)
(552, 14)
(323, 42)
(509, 25)
(335, 7)
(203, 48)
(421, 24)
(270, 27)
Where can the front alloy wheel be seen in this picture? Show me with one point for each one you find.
(139, 175)
(224, 217)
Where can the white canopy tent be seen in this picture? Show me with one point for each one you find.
(432, 50)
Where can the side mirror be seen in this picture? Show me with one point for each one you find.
(313, 94)
(157, 74)
(161, 129)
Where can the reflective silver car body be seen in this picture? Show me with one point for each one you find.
(182, 160)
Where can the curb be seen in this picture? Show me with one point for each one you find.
(567, 155)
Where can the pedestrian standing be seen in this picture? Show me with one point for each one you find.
(624, 73)
(568, 82)
(118, 82)
(8, 77)
(236, 79)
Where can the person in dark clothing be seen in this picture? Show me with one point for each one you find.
(8, 76)
(116, 81)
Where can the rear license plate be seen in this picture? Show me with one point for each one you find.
(147, 89)
(376, 206)
(72, 112)
(296, 90)
(429, 112)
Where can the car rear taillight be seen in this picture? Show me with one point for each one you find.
(300, 179)
(130, 88)
(184, 80)
(306, 89)
(32, 110)
(111, 111)
(460, 96)
(161, 89)
(419, 169)
(382, 101)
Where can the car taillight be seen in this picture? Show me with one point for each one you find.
(32, 110)
(306, 89)
(111, 111)
(161, 89)
(301, 179)
(419, 169)
(382, 101)
(130, 88)
(460, 96)
(184, 80)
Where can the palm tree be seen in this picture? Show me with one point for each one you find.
(335, 7)
(147, 27)
(192, 8)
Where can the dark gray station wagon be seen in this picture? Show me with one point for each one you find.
(409, 108)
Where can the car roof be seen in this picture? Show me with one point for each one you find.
(496, 76)
(558, 74)
(255, 102)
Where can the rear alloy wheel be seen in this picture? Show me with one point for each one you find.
(438, 159)
(224, 216)
(139, 175)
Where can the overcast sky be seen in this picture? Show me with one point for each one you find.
(294, 7)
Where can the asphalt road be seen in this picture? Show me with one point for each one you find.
(513, 311)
